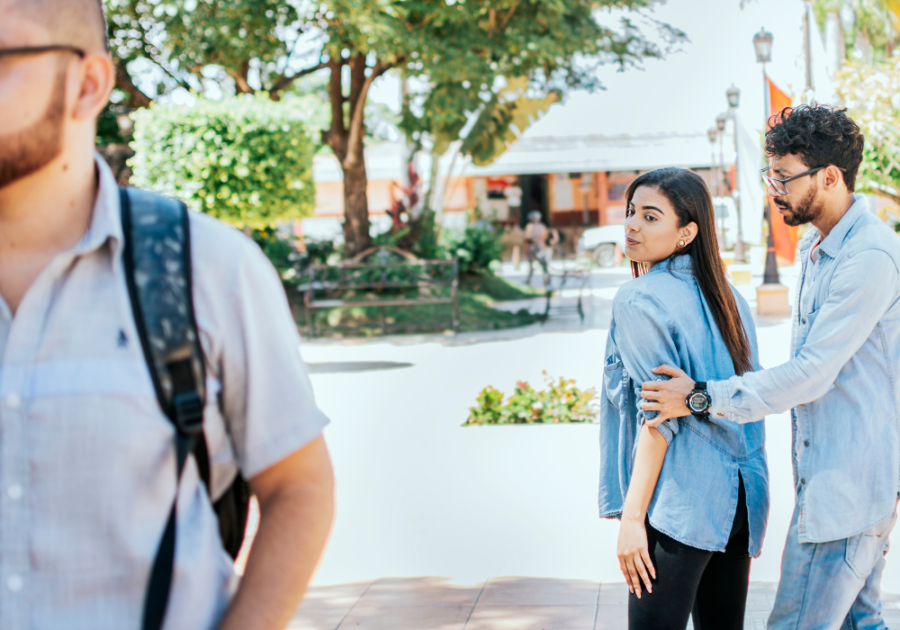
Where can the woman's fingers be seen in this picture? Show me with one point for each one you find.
(642, 571)
(625, 573)
(645, 554)
(635, 580)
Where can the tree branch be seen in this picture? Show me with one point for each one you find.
(358, 106)
(240, 77)
(283, 82)
(124, 82)
(335, 137)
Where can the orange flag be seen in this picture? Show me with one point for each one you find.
(785, 236)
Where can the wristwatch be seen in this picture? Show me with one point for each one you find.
(698, 401)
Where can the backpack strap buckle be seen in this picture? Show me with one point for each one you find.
(188, 408)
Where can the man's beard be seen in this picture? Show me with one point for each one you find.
(805, 211)
(31, 149)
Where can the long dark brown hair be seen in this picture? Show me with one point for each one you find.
(689, 196)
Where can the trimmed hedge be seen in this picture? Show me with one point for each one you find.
(245, 160)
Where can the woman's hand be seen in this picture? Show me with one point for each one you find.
(634, 555)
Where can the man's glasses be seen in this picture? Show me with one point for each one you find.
(780, 185)
(40, 50)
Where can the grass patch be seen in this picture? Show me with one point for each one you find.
(477, 297)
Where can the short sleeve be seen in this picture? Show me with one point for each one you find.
(266, 397)
(645, 339)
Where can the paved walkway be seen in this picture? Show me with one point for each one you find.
(509, 603)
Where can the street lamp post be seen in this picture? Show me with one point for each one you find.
(733, 94)
(762, 42)
(713, 134)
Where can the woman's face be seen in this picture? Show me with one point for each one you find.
(651, 228)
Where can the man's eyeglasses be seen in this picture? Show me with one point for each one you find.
(40, 50)
(780, 185)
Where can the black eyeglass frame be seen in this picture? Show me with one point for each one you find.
(40, 50)
(771, 180)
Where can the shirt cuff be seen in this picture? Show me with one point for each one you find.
(666, 429)
(720, 399)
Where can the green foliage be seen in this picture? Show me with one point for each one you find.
(875, 19)
(245, 160)
(280, 250)
(108, 128)
(560, 402)
(872, 96)
(477, 247)
(510, 61)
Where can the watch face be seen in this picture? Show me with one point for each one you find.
(698, 402)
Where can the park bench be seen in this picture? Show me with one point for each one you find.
(381, 277)
(566, 275)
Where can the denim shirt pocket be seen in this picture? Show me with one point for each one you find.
(863, 550)
(615, 380)
(804, 326)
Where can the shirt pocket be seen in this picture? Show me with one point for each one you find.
(805, 325)
(614, 381)
(863, 550)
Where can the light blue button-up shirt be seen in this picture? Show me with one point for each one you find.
(843, 381)
(660, 318)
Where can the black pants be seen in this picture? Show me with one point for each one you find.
(708, 586)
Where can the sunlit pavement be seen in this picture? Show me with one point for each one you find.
(419, 495)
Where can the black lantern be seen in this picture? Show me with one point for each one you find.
(762, 41)
(713, 134)
(734, 96)
(721, 119)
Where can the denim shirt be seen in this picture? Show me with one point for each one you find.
(842, 381)
(662, 317)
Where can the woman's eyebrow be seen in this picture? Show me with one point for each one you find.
(652, 208)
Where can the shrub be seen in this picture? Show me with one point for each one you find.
(245, 160)
(477, 247)
(561, 402)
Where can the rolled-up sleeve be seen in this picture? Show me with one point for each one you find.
(645, 337)
(267, 398)
(861, 291)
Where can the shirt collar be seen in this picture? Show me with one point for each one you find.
(831, 244)
(681, 262)
(106, 225)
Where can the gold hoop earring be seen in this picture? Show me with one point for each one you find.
(681, 243)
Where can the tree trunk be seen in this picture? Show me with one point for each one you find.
(356, 208)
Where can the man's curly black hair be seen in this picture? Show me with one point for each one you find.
(820, 136)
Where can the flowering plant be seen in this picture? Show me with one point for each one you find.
(561, 401)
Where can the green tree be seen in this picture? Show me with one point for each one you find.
(245, 160)
(872, 96)
(874, 23)
(247, 46)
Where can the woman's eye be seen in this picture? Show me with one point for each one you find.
(629, 212)
(649, 217)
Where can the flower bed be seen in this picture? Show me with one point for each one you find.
(560, 402)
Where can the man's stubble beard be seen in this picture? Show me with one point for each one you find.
(27, 151)
(806, 211)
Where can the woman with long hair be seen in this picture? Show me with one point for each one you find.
(692, 494)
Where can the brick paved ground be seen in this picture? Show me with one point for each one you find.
(498, 604)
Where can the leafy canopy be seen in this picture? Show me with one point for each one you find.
(872, 96)
(245, 160)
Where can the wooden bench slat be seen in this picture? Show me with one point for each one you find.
(405, 302)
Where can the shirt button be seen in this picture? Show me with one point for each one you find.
(14, 583)
(803, 321)
(805, 442)
(14, 491)
(13, 401)
(803, 481)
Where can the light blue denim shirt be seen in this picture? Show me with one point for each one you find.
(843, 381)
(659, 318)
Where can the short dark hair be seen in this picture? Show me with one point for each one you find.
(819, 135)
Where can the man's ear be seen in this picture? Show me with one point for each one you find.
(834, 177)
(96, 79)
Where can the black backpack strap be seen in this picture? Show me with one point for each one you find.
(157, 263)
